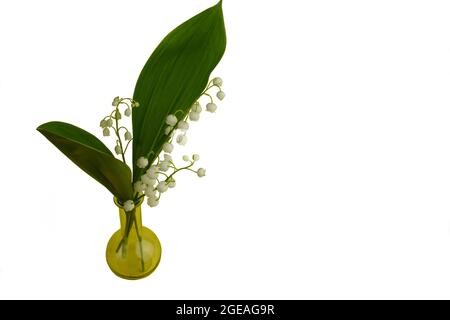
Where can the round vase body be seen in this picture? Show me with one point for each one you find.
(133, 252)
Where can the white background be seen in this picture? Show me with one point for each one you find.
(328, 164)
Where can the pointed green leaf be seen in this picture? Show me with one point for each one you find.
(174, 77)
(91, 155)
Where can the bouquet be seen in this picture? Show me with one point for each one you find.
(172, 91)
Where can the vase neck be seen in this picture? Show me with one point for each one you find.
(136, 217)
(131, 221)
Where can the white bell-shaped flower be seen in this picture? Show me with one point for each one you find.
(211, 107)
(106, 132)
(139, 186)
(142, 162)
(127, 136)
(128, 205)
(116, 101)
(196, 107)
(163, 166)
(168, 147)
(183, 125)
(168, 130)
(149, 181)
(217, 81)
(171, 120)
(220, 95)
(195, 157)
(182, 139)
(201, 172)
(152, 202)
(162, 187)
(172, 183)
(127, 112)
(152, 172)
(118, 149)
(150, 192)
(194, 116)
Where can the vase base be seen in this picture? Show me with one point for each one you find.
(133, 259)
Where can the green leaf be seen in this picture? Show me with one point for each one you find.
(174, 77)
(91, 155)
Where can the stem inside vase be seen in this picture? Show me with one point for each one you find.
(127, 221)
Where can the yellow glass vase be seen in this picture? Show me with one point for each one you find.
(134, 251)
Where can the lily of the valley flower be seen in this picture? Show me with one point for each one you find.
(152, 202)
(196, 107)
(142, 162)
(221, 95)
(171, 120)
(182, 139)
(211, 107)
(152, 172)
(162, 186)
(168, 130)
(201, 172)
(128, 205)
(116, 101)
(139, 186)
(149, 181)
(183, 125)
(168, 147)
(194, 116)
(217, 81)
(172, 183)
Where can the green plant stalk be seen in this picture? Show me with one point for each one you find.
(141, 250)
(122, 153)
(130, 217)
(130, 221)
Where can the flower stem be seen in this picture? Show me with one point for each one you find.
(128, 224)
(122, 153)
(179, 169)
(210, 98)
(126, 147)
(141, 250)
